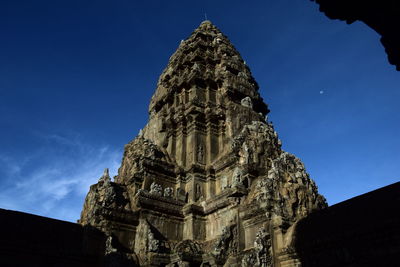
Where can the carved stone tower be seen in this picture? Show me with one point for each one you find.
(205, 183)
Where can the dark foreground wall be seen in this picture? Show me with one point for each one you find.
(30, 240)
(362, 231)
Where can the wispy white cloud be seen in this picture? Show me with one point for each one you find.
(63, 171)
(9, 166)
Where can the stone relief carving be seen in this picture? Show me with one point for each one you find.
(188, 247)
(196, 67)
(198, 192)
(226, 244)
(153, 245)
(224, 182)
(200, 153)
(222, 242)
(243, 75)
(262, 244)
(181, 195)
(237, 177)
(246, 102)
(156, 189)
(273, 173)
(169, 192)
(250, 259)
(247, 154)
(109, 245)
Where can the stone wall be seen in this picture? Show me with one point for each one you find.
(362, 231)
(30, 240)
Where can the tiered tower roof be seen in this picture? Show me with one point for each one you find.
(208, 60)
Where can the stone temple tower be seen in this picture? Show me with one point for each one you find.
(205, 183)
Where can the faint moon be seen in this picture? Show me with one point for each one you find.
(321, 92)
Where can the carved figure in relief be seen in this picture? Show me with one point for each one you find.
(224, 182)
(181, 195)
(109, 245)
(153, 244)
(265, 187)
(259, 242)
(273, 173)
(247, 154)
(217, 40)
(152, 151)
(169, 192)
(246, 102)
(156, 189)
(250, 259)
(242, 75)
(200, 154)
(153, 187)
(262, 244)
(198, 193)
(222, 243)
(196, 67)
(189, 247)
(237, 178)
(227, 244)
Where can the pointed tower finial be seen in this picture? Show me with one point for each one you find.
(106, 173)
(105, 178)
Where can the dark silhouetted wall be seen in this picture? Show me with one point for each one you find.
(362, 231)
(30, 240)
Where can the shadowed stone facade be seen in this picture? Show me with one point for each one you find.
(205, 183)
(36, 241)
(362, 231)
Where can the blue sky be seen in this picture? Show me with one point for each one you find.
(76, 79)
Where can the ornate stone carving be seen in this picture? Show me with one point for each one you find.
(226, 244)
(153, 245)
(189, 247)
(169, 192)
(109, 245)
(237, 177)
(181, 195)
(198, 193)
(224, 182)
(262, 245)
(246, 102)
(250, 259)
(247, 154)
(156, 189)
(207, 128)
(200, 154)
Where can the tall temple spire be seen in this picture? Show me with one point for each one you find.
(208, 60)
(206, 182)
(205, 84)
